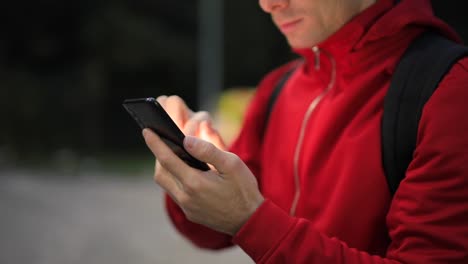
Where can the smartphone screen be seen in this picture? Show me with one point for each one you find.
(148, 113)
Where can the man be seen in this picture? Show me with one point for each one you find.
(310, 187)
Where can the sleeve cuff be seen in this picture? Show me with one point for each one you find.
(201, 236)
(264, 230)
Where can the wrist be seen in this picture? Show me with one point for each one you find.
(252, 208)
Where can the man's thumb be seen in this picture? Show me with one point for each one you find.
(207, 152)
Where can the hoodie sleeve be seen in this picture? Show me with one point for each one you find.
(428, 217)
(247, 146)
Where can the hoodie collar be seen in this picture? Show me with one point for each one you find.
(382, 19)
(343, 41)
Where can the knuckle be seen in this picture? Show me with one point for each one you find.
(232, 162)
(184, 201)
(163, 160)
(193, 186)
(157, 166)
(157, 177)
(158, 174)
(203, 115)
(199, 117)
(207, 149)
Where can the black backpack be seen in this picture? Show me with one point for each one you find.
(423, 65)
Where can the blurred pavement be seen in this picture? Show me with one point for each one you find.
(91, 219)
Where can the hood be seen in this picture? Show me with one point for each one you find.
(382, 20)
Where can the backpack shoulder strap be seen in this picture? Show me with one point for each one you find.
(417, 75)
(276, 91)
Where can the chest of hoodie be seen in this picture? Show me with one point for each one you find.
(340, 145)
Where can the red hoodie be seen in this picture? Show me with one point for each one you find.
(319, 165)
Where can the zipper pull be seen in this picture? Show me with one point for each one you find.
(316, 51)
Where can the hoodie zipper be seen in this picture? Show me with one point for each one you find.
(310, 110)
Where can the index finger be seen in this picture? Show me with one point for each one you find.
(223, 161)
(162, 100)
(167, 158)
(177, 110)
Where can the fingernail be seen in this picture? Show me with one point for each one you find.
(145, 132)
(189, 142)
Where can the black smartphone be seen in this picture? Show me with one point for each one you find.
(148, 113)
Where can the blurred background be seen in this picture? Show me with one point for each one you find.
(75, 176)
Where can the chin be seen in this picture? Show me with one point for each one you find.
(303, 43)
(300, 44)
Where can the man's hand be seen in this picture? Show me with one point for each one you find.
(199, 124)
(222, 199)
(176, 108)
